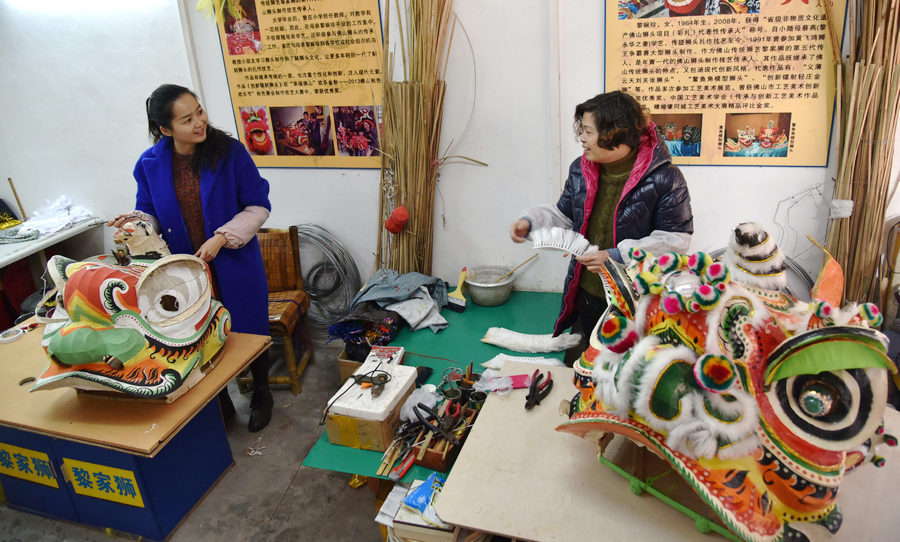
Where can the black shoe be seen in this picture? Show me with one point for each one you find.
(260, 410)
(225, 405)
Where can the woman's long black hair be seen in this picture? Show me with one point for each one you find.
(208, 154)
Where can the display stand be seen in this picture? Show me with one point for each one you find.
(130, 466)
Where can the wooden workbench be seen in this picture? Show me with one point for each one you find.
(132, 426)
(125, 464)
(519, 477)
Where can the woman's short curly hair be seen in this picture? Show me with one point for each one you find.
(620, 119)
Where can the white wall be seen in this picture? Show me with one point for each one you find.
(74, 124)
(505, 91)
(75, 77)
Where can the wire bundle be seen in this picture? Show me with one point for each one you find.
(869, 98)
(413, 112)
(331, 282)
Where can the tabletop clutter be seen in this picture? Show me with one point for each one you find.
(379, 408)
(385, 406)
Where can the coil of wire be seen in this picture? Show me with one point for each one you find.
(331, 280)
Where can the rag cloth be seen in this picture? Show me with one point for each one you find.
(54, 216)
(420, 311)
(16, 235)
(387, 288)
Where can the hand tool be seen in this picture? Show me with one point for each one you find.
(539, 389)
(374, 381)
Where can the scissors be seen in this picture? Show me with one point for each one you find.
(14, 333)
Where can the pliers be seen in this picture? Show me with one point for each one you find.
(440, 425)
(539, 389)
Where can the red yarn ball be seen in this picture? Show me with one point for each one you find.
(397, 220)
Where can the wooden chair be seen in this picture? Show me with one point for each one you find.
(288, 303)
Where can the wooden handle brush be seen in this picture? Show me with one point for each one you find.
(514, 269)
(456, 301)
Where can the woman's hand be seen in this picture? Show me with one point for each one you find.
(593, 260)
(120, 220)
(519, 230)
(211, 247)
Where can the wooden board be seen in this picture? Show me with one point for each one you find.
(518, 477)
(135, 427)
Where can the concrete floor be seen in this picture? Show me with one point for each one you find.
(263, 497)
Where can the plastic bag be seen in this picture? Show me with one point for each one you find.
(427, 395)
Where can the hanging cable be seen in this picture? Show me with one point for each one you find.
(332, 281)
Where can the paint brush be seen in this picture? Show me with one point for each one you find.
(456, 301)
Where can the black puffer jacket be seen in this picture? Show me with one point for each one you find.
(654, 211)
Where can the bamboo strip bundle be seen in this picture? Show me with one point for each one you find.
(412, 117)
(868, 81)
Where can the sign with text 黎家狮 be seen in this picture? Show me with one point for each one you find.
(730, 82)
(103, 482)
(25, 464)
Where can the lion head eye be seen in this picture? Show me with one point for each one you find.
(169, 303)
(834, 410)
(817, 399)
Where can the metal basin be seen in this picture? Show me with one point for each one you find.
(481, 287)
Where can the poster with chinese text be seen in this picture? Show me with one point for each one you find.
(305, 81)
(730, 82)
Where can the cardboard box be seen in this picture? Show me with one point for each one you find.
(358, 419)
(346, 366)
(409, 526)
(412, 527)
(410, 532)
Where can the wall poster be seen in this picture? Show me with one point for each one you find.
(730, 82)
(305, 81)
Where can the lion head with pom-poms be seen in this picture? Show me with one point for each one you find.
(756, 399)
(256, 130)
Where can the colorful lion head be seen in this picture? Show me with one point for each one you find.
(747, 136)
(140, 329)
(256, 131)
(759, 401)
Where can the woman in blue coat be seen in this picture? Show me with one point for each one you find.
(203, 192)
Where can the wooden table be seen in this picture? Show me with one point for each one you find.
(163, 457)
(518, 477)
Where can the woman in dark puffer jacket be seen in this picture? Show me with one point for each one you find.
(623, 192)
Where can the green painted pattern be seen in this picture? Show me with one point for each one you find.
(687, 475)
(674, 382)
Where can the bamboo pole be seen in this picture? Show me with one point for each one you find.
(18, 201)
(870, 106)
(412, 118)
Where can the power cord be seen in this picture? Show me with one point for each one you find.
(358, 380)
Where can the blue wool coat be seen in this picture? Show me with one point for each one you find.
(225, 192)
